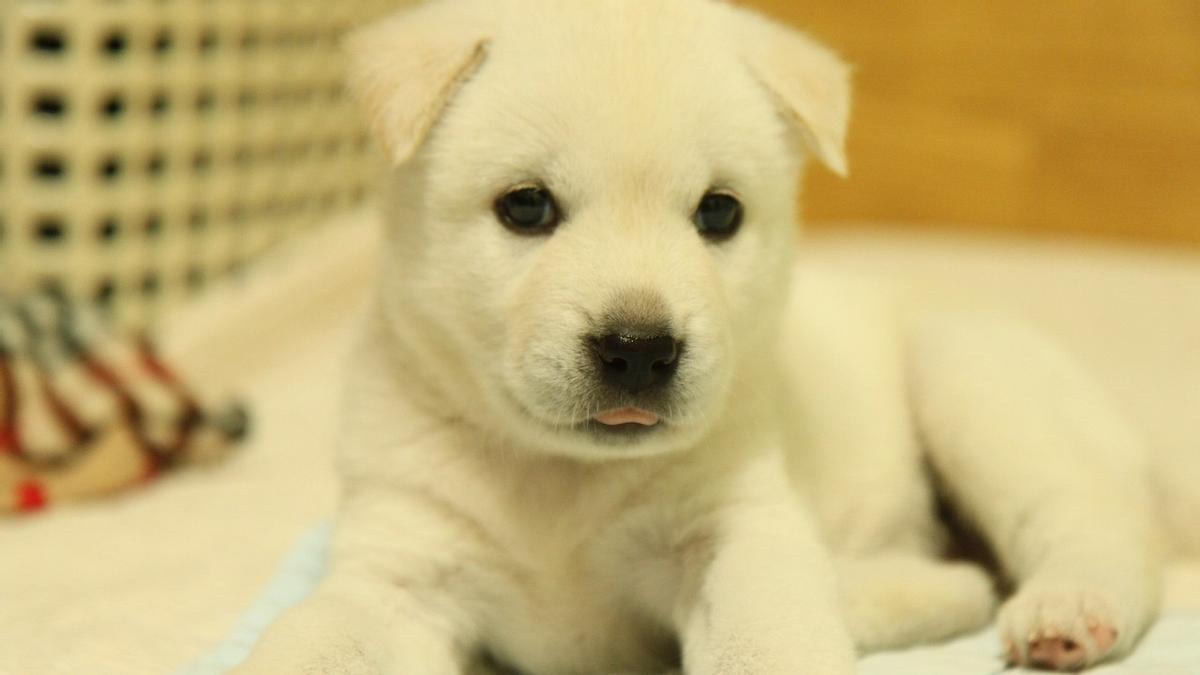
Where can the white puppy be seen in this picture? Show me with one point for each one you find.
(600, 422)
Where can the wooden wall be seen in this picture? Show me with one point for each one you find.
(1041, 116)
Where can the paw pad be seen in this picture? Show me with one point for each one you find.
(1057, 630)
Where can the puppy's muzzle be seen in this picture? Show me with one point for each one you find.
(634, 363)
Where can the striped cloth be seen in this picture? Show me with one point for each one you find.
(84, 413)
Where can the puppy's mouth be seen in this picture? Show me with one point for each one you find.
(623, 425)
(627, 416)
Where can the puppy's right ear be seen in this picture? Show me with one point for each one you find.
(404, 69)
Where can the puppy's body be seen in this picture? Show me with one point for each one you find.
(561, 566)
(490, 508)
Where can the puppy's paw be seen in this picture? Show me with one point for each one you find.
(1060, 627)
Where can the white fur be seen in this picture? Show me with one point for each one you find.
(782, 515)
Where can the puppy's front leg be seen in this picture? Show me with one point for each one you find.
(387, 605)
(354, 628)
(763, 600)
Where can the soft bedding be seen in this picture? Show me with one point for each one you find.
(1172, 647)
(180, 577)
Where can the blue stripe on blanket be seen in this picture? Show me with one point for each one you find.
(297, 577)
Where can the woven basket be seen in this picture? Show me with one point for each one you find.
(150, 146)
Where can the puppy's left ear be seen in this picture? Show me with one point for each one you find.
(404, 69)
(810, 82)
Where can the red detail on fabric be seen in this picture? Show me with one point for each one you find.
(97, 370)
(31, 496)
(10, 442)
(61, 411)
(150, 471)
(154, 366)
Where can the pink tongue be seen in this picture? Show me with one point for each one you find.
(627, 416)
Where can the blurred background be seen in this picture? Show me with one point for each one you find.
(1043, 118)
(151, 147)
(148, 147)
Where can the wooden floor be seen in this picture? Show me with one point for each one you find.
(1067, 116)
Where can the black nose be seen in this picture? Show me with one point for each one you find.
(637, 363)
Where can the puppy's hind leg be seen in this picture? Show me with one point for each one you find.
(897, 600)
(1031, 455)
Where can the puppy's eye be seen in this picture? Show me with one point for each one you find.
(528, 210)
(718, 215)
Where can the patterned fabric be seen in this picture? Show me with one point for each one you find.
(84, 413)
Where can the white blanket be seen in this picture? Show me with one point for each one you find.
(159, 579)
(1171, 647)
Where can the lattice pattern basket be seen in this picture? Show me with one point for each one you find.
(149, 146)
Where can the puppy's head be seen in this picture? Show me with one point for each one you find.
(591, 214)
